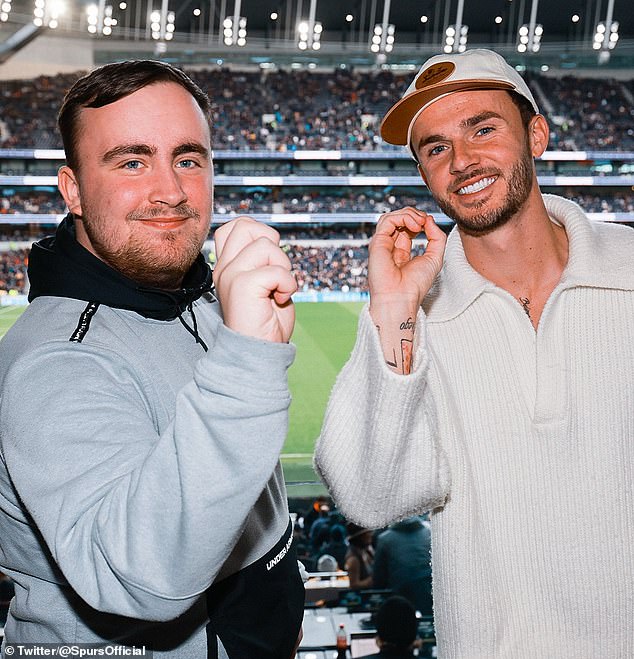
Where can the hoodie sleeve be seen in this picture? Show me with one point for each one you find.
(379, 452)
(140, 523)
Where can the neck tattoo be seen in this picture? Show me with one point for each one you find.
(525, 305)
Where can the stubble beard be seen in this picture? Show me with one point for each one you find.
(159, 263)
(519, 186)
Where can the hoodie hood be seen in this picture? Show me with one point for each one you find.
(60, 267)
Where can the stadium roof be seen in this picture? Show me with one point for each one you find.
(347, 28)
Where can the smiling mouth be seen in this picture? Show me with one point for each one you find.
(165, 223)
(477, 186)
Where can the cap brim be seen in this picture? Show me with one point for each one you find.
(396, 122)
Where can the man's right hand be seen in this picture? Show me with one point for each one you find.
(253, 279)
(398, 283)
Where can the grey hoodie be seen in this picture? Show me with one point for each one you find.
(137, 468)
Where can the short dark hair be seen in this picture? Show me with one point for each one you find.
(112, 82)
(396, 622)
(524, 106)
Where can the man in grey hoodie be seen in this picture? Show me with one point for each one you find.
(142, 413)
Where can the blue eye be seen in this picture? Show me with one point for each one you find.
(132, 164)
(436, 150)
(486, 130)
(187, 164)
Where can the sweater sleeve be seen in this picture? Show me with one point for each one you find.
(139, 522)
(378, 452)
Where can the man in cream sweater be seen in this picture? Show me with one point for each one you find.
(492, 382)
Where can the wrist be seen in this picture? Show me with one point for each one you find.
(396, 325)
(390, 309)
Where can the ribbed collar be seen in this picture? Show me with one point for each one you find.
(595, 259)
(60, 267)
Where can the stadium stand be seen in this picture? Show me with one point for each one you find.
(312, 164)
(337, 110)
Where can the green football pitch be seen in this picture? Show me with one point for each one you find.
(324, 335)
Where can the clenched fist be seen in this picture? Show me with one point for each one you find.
(253, 280)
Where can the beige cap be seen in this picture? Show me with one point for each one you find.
(443, 74)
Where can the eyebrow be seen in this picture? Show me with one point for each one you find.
(478, 118)
(190, 147)
(148, 150)
(128, 149)
(470, 122)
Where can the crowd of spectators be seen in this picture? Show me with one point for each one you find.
(31, 202)
(341, 109)
(17, 233)
(13, 265)
(589, 113)
(28, 109)
(338, 266)
(351, 200)
(593, 202)
(326, 542)
(332, 268)
(232, 202)
(396, 558)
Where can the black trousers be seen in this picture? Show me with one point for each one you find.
(258, 612)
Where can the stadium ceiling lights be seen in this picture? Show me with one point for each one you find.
(529, 36)
(456, 38)
(605, 39)
(383, 39)
(309, 31)
(235, 31)
(456, 35)
(383, 36)
(530, 40)
(162, 23)
(234, 28)
(99, 19)
(5, 10)
(606, 35)
(48, 12)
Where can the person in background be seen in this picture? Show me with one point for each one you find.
(336, 545)
(492, 381)
(402, 562)
(320, 528)
(314, 512)
(360, 557)
(143, 411)
(396, 629)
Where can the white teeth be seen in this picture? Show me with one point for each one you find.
(477, 186)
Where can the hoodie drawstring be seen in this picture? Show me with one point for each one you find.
(193, 331)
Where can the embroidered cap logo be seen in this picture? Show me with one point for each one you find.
(435, 74)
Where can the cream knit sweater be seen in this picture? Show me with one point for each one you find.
(522, 444)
